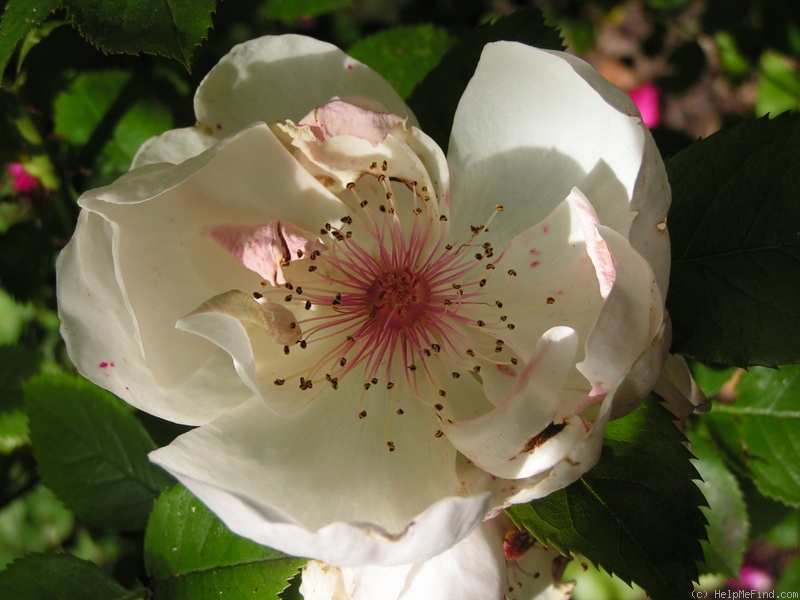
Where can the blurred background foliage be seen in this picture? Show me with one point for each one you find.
(72, 117)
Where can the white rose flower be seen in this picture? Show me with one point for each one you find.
(381, 346)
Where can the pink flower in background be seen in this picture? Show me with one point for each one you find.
(22, 182)
(647, 99)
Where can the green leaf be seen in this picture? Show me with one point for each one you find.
(778, 85)
(709, 379)
(34, 522)
(20, 18)
(403, 55)
(728, 524)
(92, 452)
(435, 99)
(17, 363)
(789, 582)
(104, 113)
(291, 11)
(735, 230)
(58, 577)
(172, 28)
(636, 512)
(191, 555)
(762, 430)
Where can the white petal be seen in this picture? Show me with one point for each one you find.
(635, 307)
(520, 438)
(174, 146)
(324, 484)
(159, 216)
(651, 193)
(100, 335)
(545, 277)
(529, 127)
(473, 569)
(575, 458)
(273, 79)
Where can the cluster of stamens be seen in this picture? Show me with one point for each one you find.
(390, 296)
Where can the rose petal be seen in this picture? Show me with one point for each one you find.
(275, 78)
(634, 306)
(473, 569)
(324, 482)
(174, 146)
(266, 248)
(158, 213)
(548, 131)
(545, 278)
(338, 117)
(101, 337)
(520, 437)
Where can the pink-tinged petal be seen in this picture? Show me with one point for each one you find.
(174, 146)
(266, 248)
(551, 128)
(473, 569)
(164, 262)
(101, 337)
(635, 307)
(332, 480)
(338, 117)
(271, 79)
(679, 390)
(596, 247)
(523, 435)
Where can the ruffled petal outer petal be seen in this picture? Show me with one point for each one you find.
(159, 216)
(174, 146)
(271, 79)
(473, 569)
(520, 437)
(548, 130)
(101, 336)
(325, 483)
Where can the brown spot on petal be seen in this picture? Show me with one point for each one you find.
(544, 435)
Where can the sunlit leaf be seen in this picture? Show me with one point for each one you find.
(92, 452)
(728, 524)
(761, 430)
(403, 55)
(58, 577)
(778, 85)
(636, 513)
(190, 554)
(735, 232)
